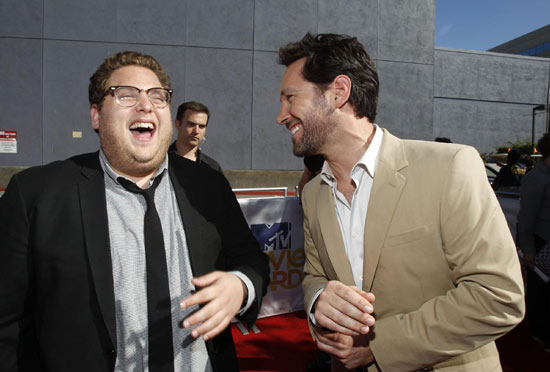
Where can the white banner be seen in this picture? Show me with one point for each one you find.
(277, 225)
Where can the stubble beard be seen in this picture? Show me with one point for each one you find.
(317, 126)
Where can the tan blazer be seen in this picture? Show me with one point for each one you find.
(439, 258)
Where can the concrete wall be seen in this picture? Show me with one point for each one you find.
(223, 53)
(486, 99)
(220, 52)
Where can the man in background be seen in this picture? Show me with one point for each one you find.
(413, 223)
(191, 122)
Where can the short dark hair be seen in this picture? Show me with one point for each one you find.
(98, 81)
(330, 55)
(192, 106)
(513, 156)
(543, 145)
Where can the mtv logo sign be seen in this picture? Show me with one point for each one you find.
(272, 237)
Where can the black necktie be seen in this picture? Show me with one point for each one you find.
(161, 354)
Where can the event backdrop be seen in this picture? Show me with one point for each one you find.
(277, 225)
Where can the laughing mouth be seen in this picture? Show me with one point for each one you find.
(142, 127)
(295, 128)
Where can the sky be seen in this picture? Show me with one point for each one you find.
(484, 24)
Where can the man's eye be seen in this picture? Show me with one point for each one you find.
(202, 126)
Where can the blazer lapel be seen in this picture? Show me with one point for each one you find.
(96, 236)
(385, 193)
(332, 236)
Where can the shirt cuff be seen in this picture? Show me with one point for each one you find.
(249, 287)
(310, 311)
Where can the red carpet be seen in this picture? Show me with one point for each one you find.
(284, 344)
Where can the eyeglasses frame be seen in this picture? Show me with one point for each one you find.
(112, 88)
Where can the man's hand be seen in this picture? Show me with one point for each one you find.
(348, 352)
(344, 309)
(223, 294)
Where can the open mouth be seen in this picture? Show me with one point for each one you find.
(295, 128)
(142, 131)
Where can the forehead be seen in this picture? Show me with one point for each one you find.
(195, 117)
(137, 76)
(293, 78)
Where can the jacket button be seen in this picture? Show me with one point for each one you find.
(110, 353)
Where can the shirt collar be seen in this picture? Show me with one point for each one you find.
(368, 161)
(108, 169)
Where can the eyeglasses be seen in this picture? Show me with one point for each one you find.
(128, 96)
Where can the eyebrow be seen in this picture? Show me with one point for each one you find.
(192, 122)
(287, 91)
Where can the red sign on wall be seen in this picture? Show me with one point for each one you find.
(8, 141)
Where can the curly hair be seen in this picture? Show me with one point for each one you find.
(98, 81)
(330, 55)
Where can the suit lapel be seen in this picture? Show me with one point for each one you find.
(96, 235)
(385, 194)
(332, 236)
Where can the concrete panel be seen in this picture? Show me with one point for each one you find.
(145, 21)
(129, 21)
(271, 143)
(357, 18)
(484, 125)
(406, 30)
(406, 99)
(279, 22)
(80, 20)
(222, 80)
(220, 23)
(21, 98)
(67, 69)
(21, 18)
(490, 76)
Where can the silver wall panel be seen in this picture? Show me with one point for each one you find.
(272, 145)
(282, 21)
(484, 125)
(220, 23)
(21, 98)
(490, 76)
(21, 18)
(222, 80)
(406, 31)
(357, 18)
(406, 99)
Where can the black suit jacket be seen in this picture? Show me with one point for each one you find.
(57, 306)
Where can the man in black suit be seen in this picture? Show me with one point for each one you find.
(191, 122)
(73, 266)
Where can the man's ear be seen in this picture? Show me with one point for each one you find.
(342, 90)
(177, 123)
(94, 116)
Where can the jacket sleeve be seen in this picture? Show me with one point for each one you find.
(486, 300)
(315, 277)
(17, 335)
(242, 250)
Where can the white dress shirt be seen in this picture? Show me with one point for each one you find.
(352, 217)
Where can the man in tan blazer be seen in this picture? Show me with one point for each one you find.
(414, 224)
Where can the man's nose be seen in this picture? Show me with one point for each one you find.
(143, 103)
(282, 117)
